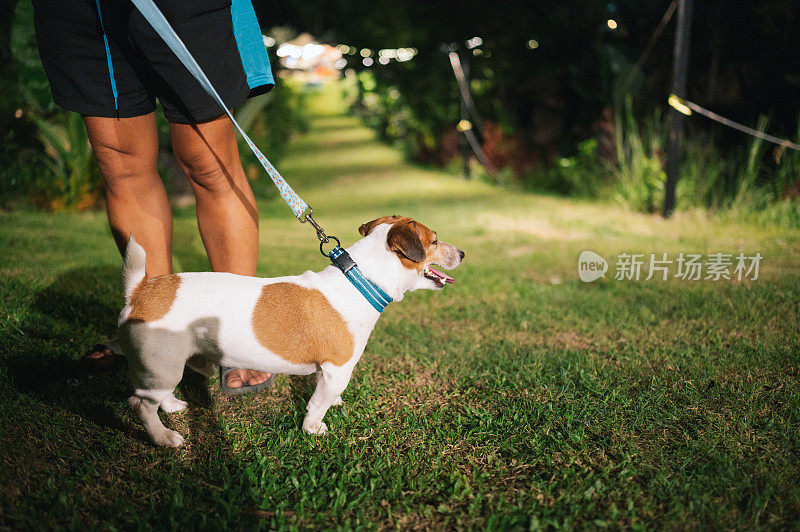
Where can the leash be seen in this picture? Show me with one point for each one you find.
(342, 260)
(302, 211)
(156, 19)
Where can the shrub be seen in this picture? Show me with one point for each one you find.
(640, 152)
(72, 179)
(582, 174)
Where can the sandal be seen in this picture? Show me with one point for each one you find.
(244, 388)
(104, 356)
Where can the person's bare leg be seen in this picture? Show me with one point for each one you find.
(126, 151)
(136, 202)
(226, 208)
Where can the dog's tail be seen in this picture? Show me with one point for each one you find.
(133, 267)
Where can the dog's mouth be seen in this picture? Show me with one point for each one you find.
(437, 276)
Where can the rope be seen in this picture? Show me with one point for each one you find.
(463, 87)
(650, 44)
(479, 153)
(686, 107)
(465, 126)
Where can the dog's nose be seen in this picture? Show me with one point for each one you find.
(461, 253)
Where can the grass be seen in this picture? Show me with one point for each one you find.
(519, 397)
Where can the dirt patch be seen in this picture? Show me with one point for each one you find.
(528, 226)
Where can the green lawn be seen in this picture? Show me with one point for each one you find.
(520, 397)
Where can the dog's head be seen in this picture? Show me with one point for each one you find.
(418, 249)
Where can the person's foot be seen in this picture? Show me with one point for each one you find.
(239, 377)
(103, 356)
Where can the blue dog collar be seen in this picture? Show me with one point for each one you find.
(371, 291)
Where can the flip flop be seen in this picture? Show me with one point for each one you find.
(244, 388)
(107, 356)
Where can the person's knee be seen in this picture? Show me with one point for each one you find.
(126, 149)
(208, 171)
(119, 165)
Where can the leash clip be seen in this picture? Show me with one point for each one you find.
(323, 238)
(306, 217)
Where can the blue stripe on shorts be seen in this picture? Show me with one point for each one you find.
(251, 45)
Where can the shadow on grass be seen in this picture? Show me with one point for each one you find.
(48, 385)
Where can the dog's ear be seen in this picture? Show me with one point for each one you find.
(367, 228)
(403, 239)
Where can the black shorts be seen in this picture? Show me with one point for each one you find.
(74, 56)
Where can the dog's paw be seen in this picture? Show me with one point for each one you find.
(173, 404)
(315, 427)
(168, 438)
(134, 402)
(337, 402)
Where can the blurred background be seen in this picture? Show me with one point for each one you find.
(566, 98)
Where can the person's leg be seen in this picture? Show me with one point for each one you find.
(226, 208)
(126, 150)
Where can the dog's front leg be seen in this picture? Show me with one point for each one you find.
(336, 402)
(331, 382)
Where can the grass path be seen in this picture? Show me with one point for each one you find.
(518, 397)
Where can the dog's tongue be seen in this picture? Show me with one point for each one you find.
(442, 276)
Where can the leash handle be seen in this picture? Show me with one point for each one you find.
(156, 19)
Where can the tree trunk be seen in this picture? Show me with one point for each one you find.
(680, 68)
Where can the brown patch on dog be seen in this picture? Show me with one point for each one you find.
(153, 297)
(299, 325)
(406, 240)
(367, 228)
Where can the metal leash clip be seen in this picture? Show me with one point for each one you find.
(323, 238)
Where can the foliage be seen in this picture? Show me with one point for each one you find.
(703, 176)
(581, 175)
(640, 154)
(21, 156)
(384, 108)
(72, 180)
(760, 182)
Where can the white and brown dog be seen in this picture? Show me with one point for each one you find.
(316, 321)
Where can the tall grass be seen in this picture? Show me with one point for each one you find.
(744, 182)
(640, 152)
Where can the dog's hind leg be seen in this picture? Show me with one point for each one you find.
(172, 404)
(203, 365)
(145, 403)
(155, 372)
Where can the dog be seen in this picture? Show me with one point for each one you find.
(313, 322)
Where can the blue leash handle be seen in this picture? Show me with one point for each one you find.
(165, 30)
